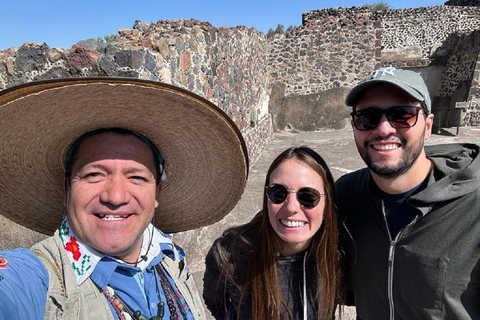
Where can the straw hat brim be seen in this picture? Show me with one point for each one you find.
(206, 159)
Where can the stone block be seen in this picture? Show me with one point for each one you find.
(82, 58)
(162, 46)
(150, 62)
(129, 58)
(107, 64)
(9, 66)
(403, 54)
(186, 61)
(31, 57)
(54, 55)
(317, 111)
(55, 73)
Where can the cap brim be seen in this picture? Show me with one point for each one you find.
(205, 154)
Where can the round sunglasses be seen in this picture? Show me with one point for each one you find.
(398, 116)
(307, 197)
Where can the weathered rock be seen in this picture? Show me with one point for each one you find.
(107, 65)
(54, 55)
(81, 57)
(9, 66)
(31, 57)
(130, 58)
(55, 73)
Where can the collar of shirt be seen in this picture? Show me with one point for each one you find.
(85, 259)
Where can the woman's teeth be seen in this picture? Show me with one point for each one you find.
(289, 223)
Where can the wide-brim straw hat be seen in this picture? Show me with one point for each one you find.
(206, 160)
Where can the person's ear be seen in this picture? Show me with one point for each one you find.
(428, 125)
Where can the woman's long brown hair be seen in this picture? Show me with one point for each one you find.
(261, 281)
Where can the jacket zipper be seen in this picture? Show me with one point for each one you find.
(391, 258)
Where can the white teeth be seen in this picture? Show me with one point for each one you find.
(384, 147)
(112, 217)
(289, 223)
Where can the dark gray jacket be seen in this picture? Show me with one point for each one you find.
(431, 270)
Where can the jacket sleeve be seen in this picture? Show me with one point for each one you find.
(214, 284)
(23, 285)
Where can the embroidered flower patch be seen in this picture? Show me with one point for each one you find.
(72, 246)
(3, 263)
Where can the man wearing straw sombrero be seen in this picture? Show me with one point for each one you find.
(104, 164)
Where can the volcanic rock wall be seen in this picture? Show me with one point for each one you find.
(225, 65)
(319, 60)
(334, 48)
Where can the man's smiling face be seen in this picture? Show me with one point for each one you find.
(112, 194)
(390, 152)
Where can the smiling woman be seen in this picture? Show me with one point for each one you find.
(284, 264)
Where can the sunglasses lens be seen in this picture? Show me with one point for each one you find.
(277, 193)
(366, 119)
(398, 116)
(402, 117)
(308, 197)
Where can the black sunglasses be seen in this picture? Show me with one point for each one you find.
(398, 117)
(307, 197)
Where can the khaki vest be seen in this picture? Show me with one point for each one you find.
(67, 300)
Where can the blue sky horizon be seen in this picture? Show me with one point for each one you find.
(62, 24)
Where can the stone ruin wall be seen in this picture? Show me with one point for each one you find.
(423, 30)
(447, 35)
(225, 65)
(474, 96)
(332, 48)
(337, 47)
(462, 75)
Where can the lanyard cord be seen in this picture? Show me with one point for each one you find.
(124, 311)
(304, 288)
(174, 297)
(161, 304)
(143, 257)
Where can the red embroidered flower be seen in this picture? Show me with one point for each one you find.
(73, 247)
(3, 263)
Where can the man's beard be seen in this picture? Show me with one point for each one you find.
(409, 156)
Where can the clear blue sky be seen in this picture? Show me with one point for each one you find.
(62, 23)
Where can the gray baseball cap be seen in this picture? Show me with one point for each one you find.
(409, 81)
